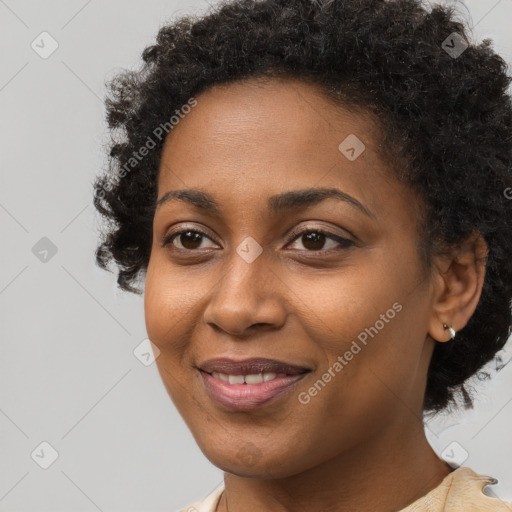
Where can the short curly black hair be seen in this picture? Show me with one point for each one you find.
(441, 103)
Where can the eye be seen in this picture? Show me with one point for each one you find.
(188, 238)
(314, 239)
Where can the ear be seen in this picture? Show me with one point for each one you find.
(457, 282)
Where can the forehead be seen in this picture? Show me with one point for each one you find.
(253, 139)
(254, 111)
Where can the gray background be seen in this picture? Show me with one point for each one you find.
(68, 374)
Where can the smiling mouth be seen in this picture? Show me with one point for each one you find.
(249, 383)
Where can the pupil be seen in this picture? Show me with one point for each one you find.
(318, 240)
(187, 237)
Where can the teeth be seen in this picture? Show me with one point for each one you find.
(236, 379)
(221, 376)
(254, 379)
(248, 379)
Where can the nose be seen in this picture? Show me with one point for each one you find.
(247, 297)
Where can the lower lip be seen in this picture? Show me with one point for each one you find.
(244, 397)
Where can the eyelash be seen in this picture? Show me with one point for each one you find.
(344, 243)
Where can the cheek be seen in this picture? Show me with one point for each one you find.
(165, 317)
(168, 300)
(156, 308)
(372, 383)
(368, 331)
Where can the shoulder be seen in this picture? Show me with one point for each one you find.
(461, 491)
(206, 504)
(467, 490)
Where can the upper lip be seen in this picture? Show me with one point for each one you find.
(250, 366)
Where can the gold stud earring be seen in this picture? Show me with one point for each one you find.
(451, 330)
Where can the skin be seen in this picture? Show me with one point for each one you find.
(359, 444)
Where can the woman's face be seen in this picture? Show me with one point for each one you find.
(351, 306)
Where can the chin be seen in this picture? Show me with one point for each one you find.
(250, 461)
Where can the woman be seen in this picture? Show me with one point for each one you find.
(316, 194)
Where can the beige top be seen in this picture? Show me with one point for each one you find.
(460, 491)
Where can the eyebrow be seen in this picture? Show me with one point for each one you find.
(277, 204)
